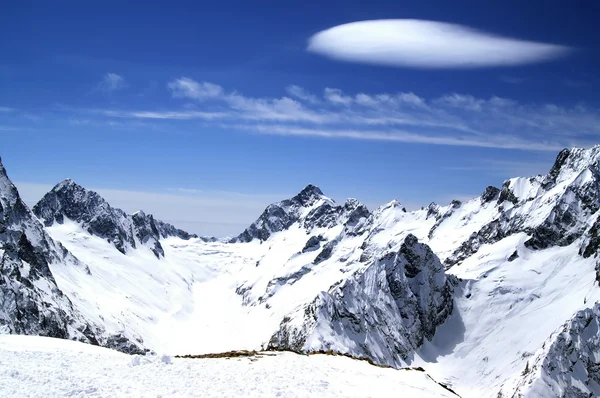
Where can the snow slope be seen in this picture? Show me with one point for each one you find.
(525, 259)
(33, 366)
(568, 362)
(504, 312)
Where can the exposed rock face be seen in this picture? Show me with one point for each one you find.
(440, 218)
(71, 200)
(147, 232)
(554, 209)
(313, 243)
(78, 204)
(569, 363)
(30, 300)
(490, 194)
(280, 216)
(383, 312)
(560, 161)
(311, 209)
(166, 230)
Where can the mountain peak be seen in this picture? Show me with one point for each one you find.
(8, 191)
(308, 195)
(570, 162)
(66, 183)
(490, 194)
(139, 213)
(72, 201)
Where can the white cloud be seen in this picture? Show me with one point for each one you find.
(336, 96)
(185, 87)
(5, 109)
(503, 142)
(111, 82)
(451, 119)
(243, 107)
(172, 115)
(427, 44)
(301, 93)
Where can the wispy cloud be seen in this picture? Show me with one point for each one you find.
(302, 94)
(111, 82)
(427, 44)
(451, 119)
(171, 115)
(5, 109)
(503, 142)
(185, 87)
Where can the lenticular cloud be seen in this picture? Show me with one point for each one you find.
(427, 44)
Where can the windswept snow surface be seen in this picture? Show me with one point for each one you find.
(32, 366)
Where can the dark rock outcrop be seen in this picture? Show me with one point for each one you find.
(30, 301)
(568, 364)
(491, 193)
(282, 215)
(97, 217)
(382, 313)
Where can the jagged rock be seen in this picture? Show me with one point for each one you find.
(30, 300)
(433, 210)
(280, 216)
(560, 161)
(569, 364)
(440, 218)
(98, 218)
(166, 230)
(121, 343)
(146, 231)
(565, 212)
(326, 252)
(71, 200)
(357, 216)
(324, 216)
(506, 195)
(491, 193)
(567, 220)
(382, 313)
(313, 243)
(311, 209)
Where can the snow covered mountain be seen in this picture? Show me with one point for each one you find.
(495, 295)
(30, 300)
(383, 312)
(568, 363)
(125, 232)
(311, 209)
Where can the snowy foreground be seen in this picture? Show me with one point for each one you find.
(41, 366)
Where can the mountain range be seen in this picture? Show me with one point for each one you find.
(496, 296)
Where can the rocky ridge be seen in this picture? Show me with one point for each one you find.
(70, 200)
(30, 300)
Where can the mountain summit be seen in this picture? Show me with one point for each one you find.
(309, 209)
(71, 201)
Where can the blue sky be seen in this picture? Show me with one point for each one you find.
(225, 107)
